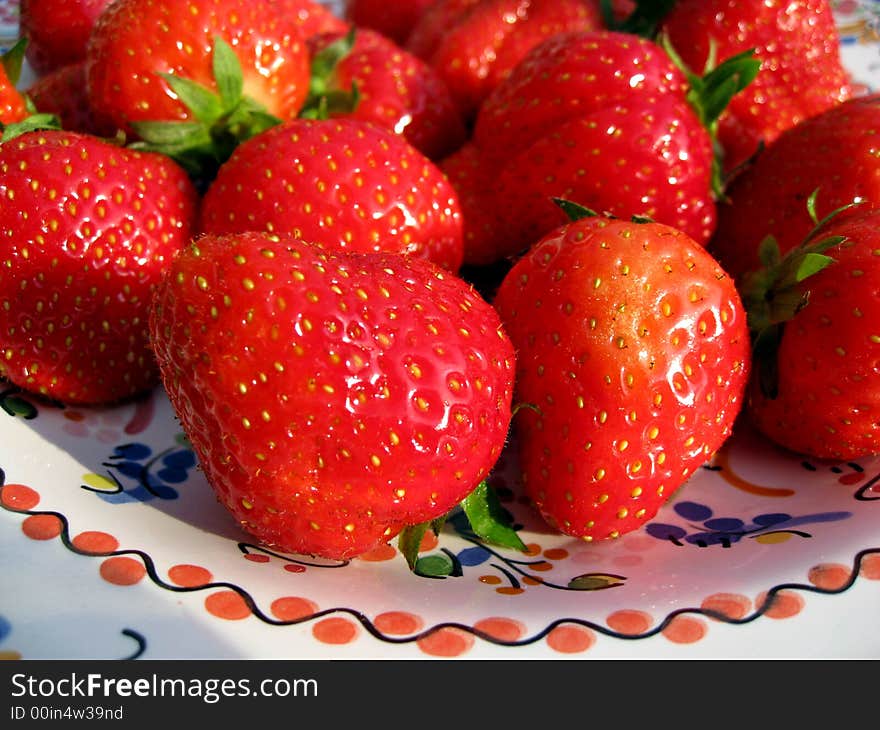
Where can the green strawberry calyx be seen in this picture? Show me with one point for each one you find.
(12, 61)
(221, 119)
(325, 98)
(488, 519)
(775, 293)
(711, 93)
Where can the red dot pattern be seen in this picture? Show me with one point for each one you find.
(122, 570)
(189, 576)
(41, 527)
(227, 605)
(335, 630)
(446, 642)
(570, 639)
(19, 497)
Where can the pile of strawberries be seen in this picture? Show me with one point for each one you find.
(356, 251)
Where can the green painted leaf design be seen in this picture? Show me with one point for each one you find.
(18, 407)
(595, 581)
(438, 565)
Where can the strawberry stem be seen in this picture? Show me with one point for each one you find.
(711, 93)
(324, 98)
(221, 120)
(774, 293)
(488, 519)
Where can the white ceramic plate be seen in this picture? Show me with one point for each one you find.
(112, 545)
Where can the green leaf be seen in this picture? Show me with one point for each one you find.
(488, 519)
(227, 74)
(31, 123)
(595, 581)
(812, 263)
(204, 104)
(410, 540)
(574, 211)
(768, 252)
(438, 565)
(324, 63)
(13, 59)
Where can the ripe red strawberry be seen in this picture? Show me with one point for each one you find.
(834, 152)
(633, 351)
(393, 20)
(13, 106)
(801, 70)
(474, 44)
(227, 69)
(333, 398)
(342, 182)
(313, 18)
(57, 32)
(86, 230)
(62, 92)
(393, 89)
(602, 118)
(12, 103)
(819, 390)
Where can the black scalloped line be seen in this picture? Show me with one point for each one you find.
(376, 633)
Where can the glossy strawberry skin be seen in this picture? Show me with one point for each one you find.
(833, 154)
(89, 232)
(599, 118)
(135, 40)
(312, 18)
(393, 20)
(633, 351)
(474, 45)
(829, 390)
(344, 183)
(58, 32)
(801, 70)
(62, 92)
(601, 160)
(12, 104)
(332, 397)
(398, 91)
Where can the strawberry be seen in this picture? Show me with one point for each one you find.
(313, 18)
(834, 152)
(391, 88)
(798, 46)
(602, 118)
(474, 44)
(218, 73)
(86, 231)
(62, 92)
(633, 354)
(343, 182)
(333, 398)
(816, 390)
(57, 32)
(13, 106)
(393, 20)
